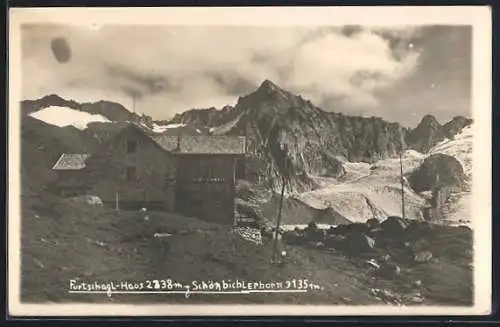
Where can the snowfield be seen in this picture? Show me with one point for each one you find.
(291, 227)
(163, 128)
(63, 116)
(374, 191)
(372, 196)
(460, 148)
(224, 128)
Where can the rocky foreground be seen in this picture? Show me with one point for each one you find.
(397, 251)
(357, 264)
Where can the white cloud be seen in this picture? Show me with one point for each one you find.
(184, 59)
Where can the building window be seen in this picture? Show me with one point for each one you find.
(131, 146)
(169, 179)
(208, 170)
(131, 173)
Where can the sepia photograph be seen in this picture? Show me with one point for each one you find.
(249, 161)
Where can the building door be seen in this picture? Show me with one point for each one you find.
(218, 204)
(205, 201)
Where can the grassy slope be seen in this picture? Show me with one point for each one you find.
(62, 242)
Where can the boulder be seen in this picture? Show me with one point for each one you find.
(437, 170)
(419, 229)
(314, 234)
(419, 245)
(356, 228)
(90, 200)
(431, 214)
(417, 283)
(394, 226)
(389, 270)
(465, 229)
(334, 241)
(374, 232)
(359, 243)
(294, 238)
(316, 245)
(387, 296)
(339, 230)
(422, 256)
(331, 231)
(373, 223)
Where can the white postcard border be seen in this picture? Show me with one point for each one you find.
(477, 16)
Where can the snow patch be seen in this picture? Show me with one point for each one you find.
(162, 128)
(145, 125)
(410, 159)
(291, 227)
(374, 191)
(224, 128)
(64, 116)
(460, 148)
(373, 196)
(356, 170)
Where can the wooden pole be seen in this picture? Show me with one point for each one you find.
(133, 102)
(233, 191)
(116, 200)
(279, 220)
(402, 185)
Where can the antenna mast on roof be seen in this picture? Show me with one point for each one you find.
(133, 102)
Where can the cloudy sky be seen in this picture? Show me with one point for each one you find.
(398, 73)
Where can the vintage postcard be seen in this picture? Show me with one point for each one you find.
(249, 161)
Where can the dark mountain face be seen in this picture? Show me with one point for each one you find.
(285, 133)
(428, 133)
(111, 110)
(202, 117)
(438, 170)
(30, 106)
(455, 126)
(273, 118)
(41, 145)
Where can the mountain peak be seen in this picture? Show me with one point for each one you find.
(56, 100)
(51, 98)
(267, 84)
(455, 125)
(270, 88)
(428, 133)
(428, 119)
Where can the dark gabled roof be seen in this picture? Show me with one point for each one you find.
(166, 142)
(214, 144)
(202, 144)
(71, 161)
(182, 144)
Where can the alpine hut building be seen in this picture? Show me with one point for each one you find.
(193, 175)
